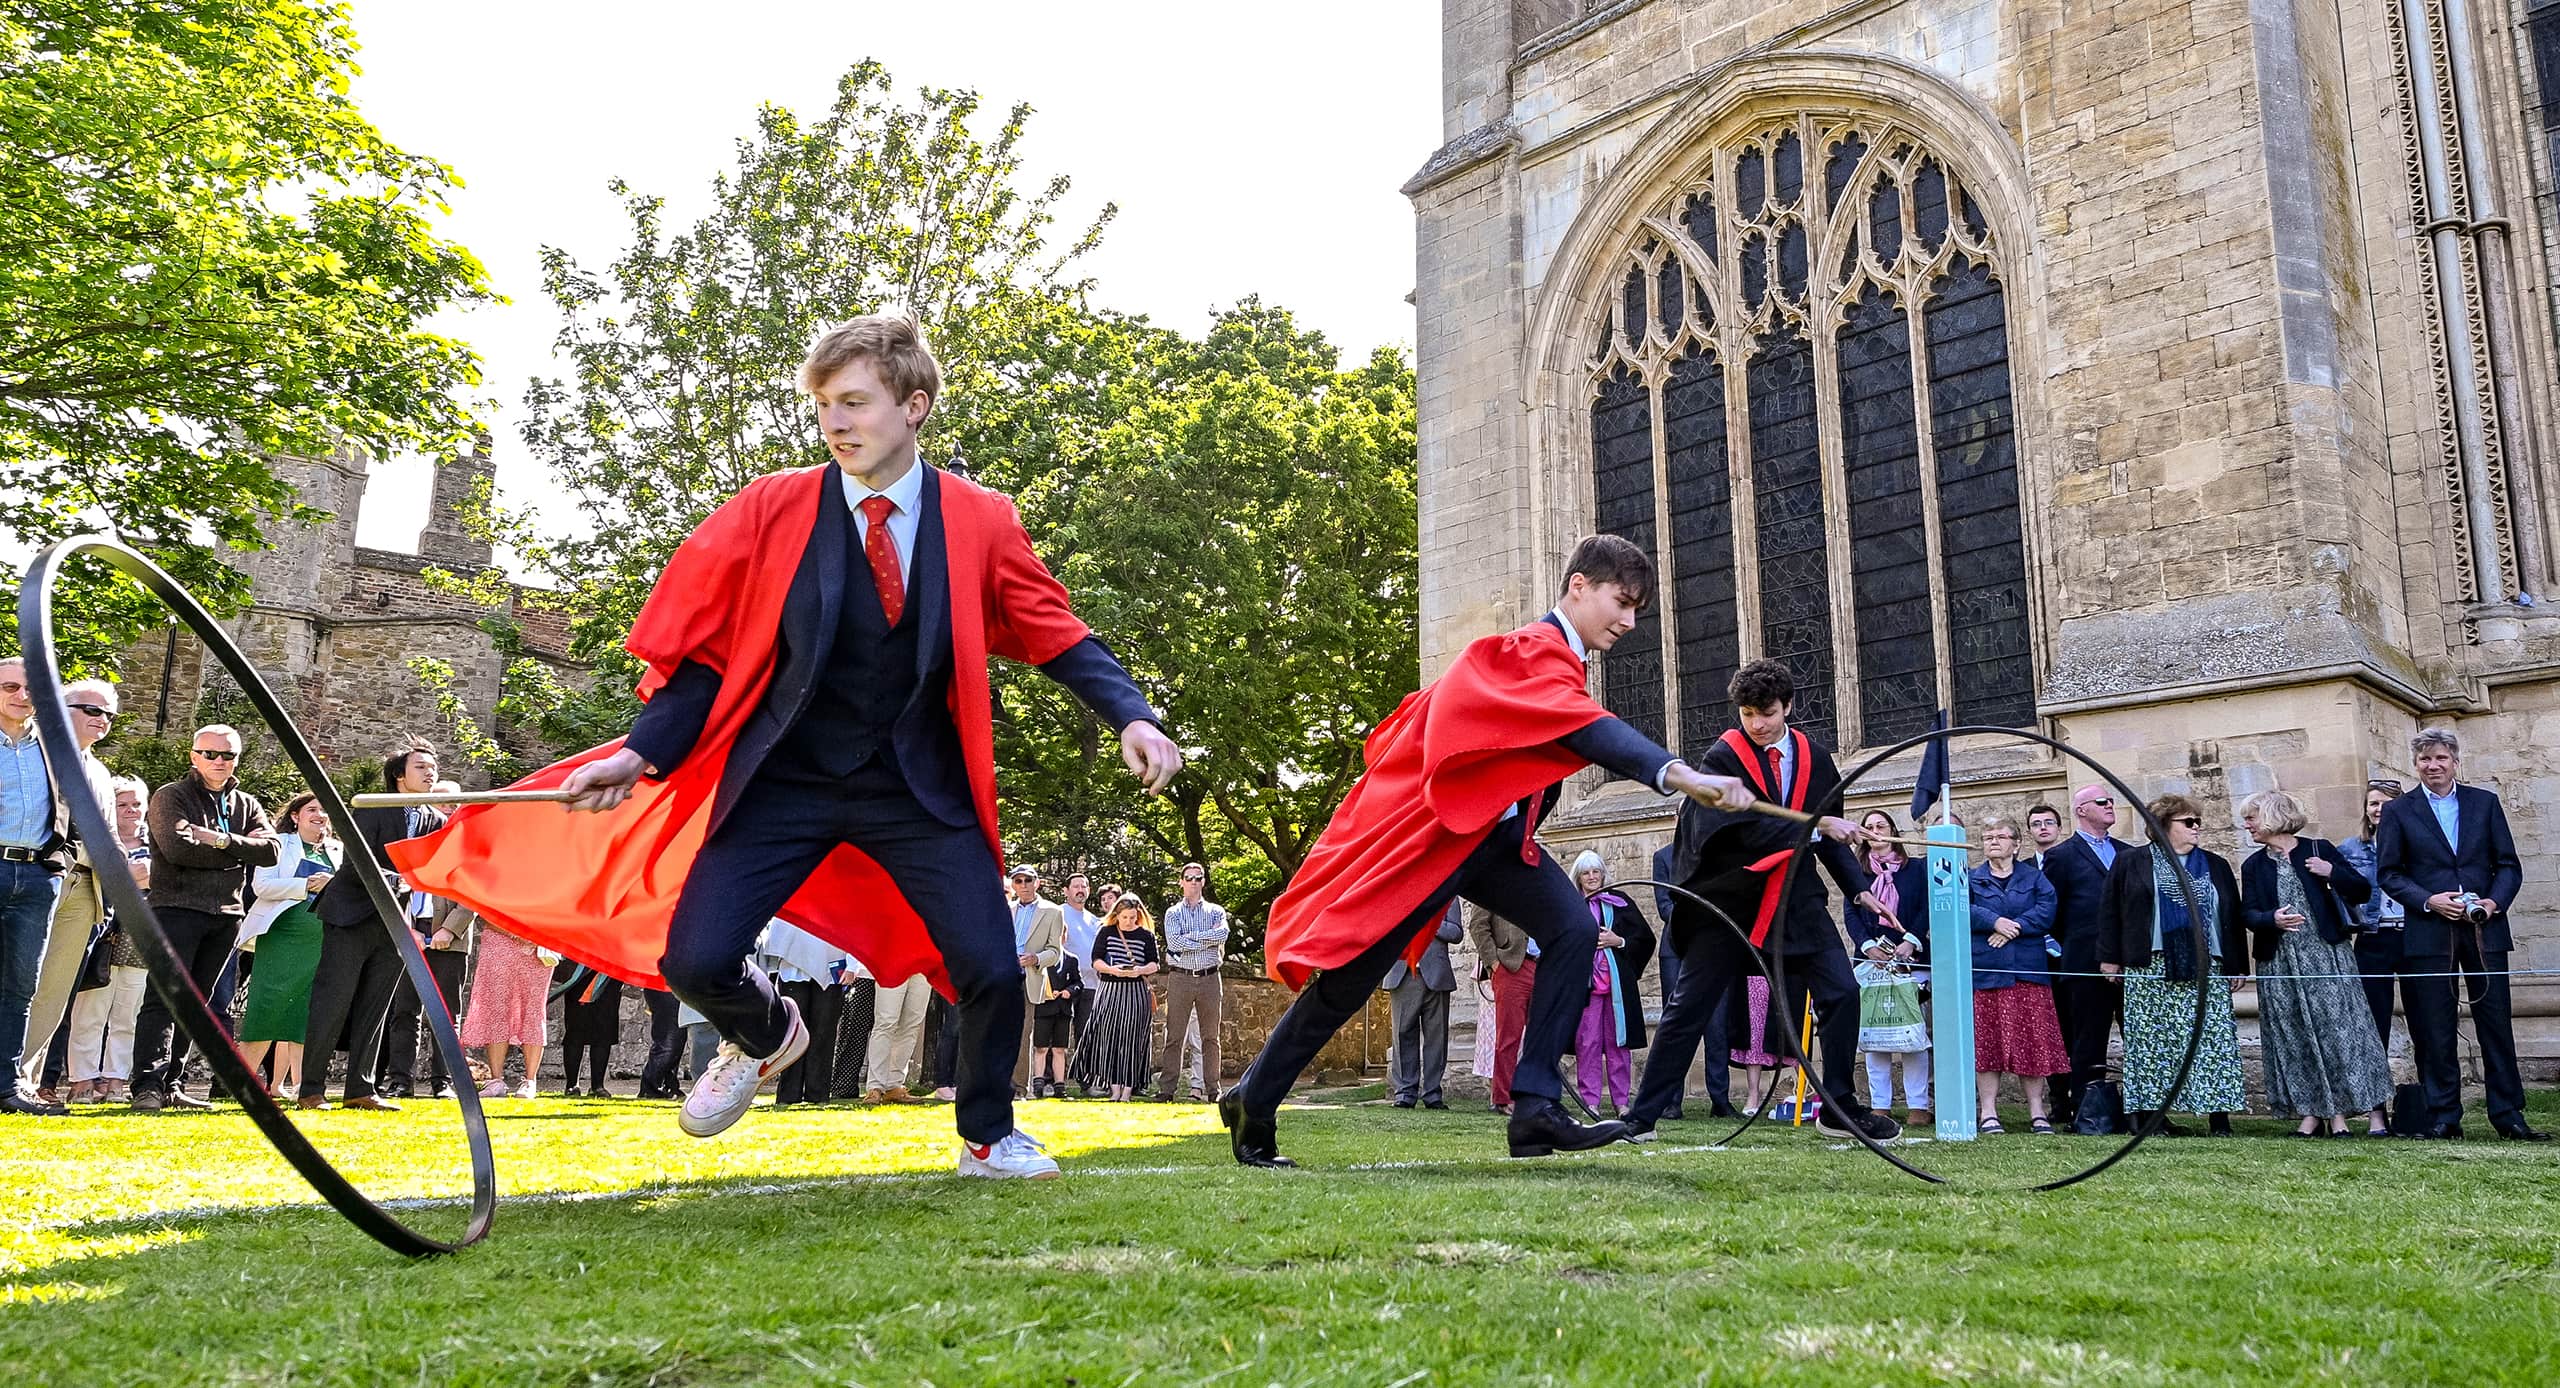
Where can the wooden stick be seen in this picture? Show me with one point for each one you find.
(1920, 843)
(1775, 810)
(380, 800)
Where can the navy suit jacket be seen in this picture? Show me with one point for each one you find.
(922, 740)
(2414, 862)
(2080, 899)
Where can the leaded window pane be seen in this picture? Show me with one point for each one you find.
(1622, 489)
(1792, 541)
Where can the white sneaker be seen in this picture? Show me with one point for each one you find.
(1016, 1155)
(727, 1086)
(525, 1090)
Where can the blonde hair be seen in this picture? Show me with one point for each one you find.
(1129, 902)
(2277, 812)
(891, 342)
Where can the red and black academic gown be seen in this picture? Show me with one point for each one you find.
(1441, 770)
(602, 888)
(1737, 859)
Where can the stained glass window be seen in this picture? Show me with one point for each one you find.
(1804, 367)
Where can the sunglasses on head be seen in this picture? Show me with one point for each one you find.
(95, 710)
(213, 755)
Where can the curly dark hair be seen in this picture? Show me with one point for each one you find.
(1761, 684)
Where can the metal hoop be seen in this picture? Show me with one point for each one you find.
(1773, 966)
(168, 972)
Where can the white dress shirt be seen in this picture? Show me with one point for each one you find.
(905, 495)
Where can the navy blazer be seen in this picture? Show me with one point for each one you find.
(2133, 909)
(923, 740)
(2080, 899)
(2027, 898)
(2333, 902)
(1911, 911)
(2414, 862)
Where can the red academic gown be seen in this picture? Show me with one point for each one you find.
(602, 888)
(1442, 769)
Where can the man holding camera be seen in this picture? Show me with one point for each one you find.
(2443, 851)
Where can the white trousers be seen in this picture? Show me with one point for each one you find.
(102, 1026)
(1915, 1078)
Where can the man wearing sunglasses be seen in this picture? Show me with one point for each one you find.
(81, 906)
(2086, 1002)
(206, 834)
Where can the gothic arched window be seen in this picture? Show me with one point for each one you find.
(1800, 403)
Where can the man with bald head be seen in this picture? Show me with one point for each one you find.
(2085, 1002)
(80, 906)
(206, 834)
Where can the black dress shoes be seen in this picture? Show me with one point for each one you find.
(1404, 1103)
(1435, 1103)
(1721, 1110)
(1256, 1141)
(1539, 1127)
(2523, 1133)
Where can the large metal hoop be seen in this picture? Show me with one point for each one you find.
(1772, 961)
(168, 972)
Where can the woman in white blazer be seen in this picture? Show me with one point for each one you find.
(284, 932)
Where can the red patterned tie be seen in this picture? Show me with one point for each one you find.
(883, 554)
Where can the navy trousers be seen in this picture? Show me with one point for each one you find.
(784, 824)
(1536, 897)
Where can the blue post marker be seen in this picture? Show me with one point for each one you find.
(1951, 983)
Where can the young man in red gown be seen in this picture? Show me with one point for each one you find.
(816, 746)
(1458, 777)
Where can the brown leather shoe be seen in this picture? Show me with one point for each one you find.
(897, 1094)
(1920, 1118)
(875, 1095)
(371, 1103)
(315, 1101)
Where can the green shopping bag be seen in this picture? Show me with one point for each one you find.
(1889, 1015)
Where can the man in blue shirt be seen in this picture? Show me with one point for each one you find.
(30, 876)
(2444, 852)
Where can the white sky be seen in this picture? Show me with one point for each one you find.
(1251, 149)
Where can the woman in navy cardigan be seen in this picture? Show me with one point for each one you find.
(2014, 1028)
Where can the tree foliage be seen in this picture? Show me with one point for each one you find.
(208, 257)
(1244, 530)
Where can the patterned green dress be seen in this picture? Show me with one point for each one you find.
(2158, 1014)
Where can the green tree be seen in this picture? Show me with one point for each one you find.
(684, 349)
(207, 257)
(1245, 532)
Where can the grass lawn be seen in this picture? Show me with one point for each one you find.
(832, 1246)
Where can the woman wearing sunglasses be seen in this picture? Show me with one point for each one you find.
(2150, 943)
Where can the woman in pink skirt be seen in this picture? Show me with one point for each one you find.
(2014, 1030)
(508, 996)
(1758, 1062)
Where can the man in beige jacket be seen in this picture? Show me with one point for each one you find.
(1039, 936)
(1505, 954)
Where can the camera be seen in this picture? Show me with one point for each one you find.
(2476, 908)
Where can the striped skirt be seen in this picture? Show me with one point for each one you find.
(1114, 1050)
